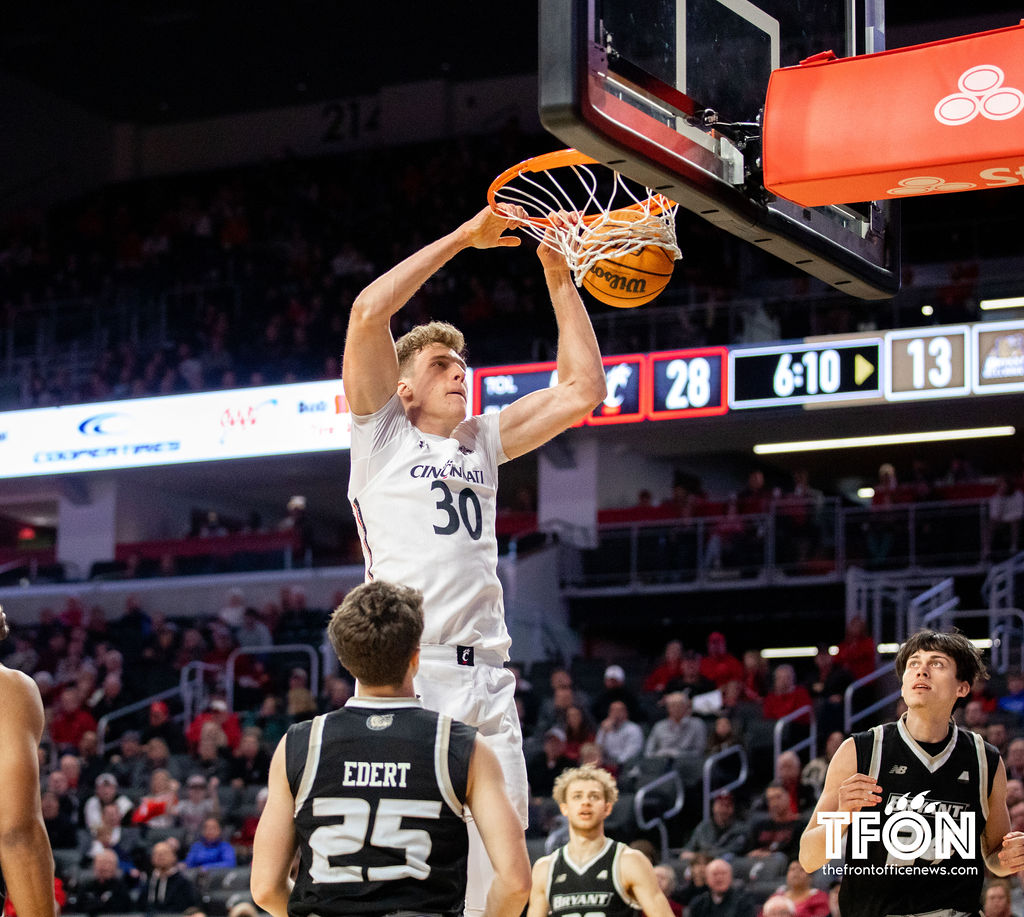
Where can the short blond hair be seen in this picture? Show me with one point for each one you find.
(586, 772)
(412, 342)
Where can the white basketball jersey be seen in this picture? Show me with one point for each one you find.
(425, 507)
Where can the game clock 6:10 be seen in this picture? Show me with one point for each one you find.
(804, 373)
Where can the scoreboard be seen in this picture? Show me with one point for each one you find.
(909, 364)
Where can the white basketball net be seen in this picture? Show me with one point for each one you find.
(608, 228)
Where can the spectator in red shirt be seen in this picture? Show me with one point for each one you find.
(71, 721)
(786, 695)
(671, 667)
(719, 665)
(216, 713)
(857, 651)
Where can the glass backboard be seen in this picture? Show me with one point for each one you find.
(670, 93)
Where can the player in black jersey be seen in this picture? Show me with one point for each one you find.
(26, 861)
(927, 800)
(593, 874)
(374, 796)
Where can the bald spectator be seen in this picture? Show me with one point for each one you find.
(620, 739)
(721, 898)
(107, 892)
(788, 772)
(680, 734)
(786, 696)
(778, 906)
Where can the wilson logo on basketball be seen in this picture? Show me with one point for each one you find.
(620, 281)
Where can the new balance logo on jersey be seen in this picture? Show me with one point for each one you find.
(560, 878)
(603, 874)
(964, 777)
(898, 769)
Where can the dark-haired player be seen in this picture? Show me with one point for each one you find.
(424, 477)
(375, 795)
(593, 874)
(26, 861)
(915, 773)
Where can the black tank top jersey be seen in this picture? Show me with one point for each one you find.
(957, 778)
(379, 788)
(592, 888)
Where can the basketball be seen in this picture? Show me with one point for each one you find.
(628, 281)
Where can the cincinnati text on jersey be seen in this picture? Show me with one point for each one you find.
(448, 470)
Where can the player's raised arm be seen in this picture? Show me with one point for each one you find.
(370, 366)
(845, 791)
(501, 833)
(641, 883)
(274, 845)
(535, 418)
(25, 855)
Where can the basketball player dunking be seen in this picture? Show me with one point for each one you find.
(26, 861)
(374, 795)
(921, 770)
(424, 480)
(593, 874)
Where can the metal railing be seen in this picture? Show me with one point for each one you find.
(708, 774)
(849, 716)
(191, 689)
(673, 779)
(923, 608)
(897, 548)
(998, 587)
(779, 734)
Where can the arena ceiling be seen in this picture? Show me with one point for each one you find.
(162, 61)
(152, 61)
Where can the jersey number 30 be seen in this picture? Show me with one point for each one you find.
(469, 511)
(348, 836)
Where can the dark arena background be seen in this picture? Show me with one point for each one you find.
(192, 196)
